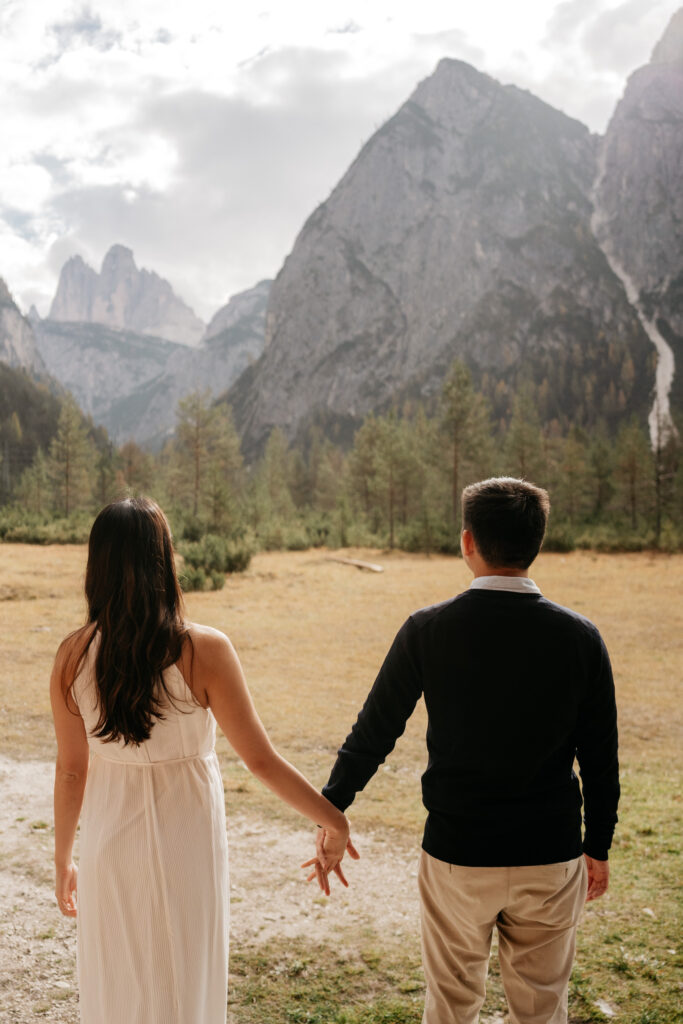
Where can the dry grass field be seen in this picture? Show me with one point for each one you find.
(311, 634)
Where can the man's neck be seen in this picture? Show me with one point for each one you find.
(490, 570)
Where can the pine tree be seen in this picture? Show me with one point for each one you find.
(571, 486)
(71, 460)
(137, 468)
(524, 440)
(634, 469)
(208, 461)
(33, 490)
(466, 425)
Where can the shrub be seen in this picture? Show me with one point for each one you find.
(614, 538)
(559, 537)
(214, 556)
(192, 578)
(435, 536)
(60, 531)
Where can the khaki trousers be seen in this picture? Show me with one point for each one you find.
(536, 911)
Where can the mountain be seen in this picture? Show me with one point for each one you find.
(121, 296)
(28, 419)
(246, 310)
(462, 229)
(131, 383)
(99, 365)
(17, 340)
(639, 202)
(233, 341)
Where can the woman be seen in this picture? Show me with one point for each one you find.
(136, 694)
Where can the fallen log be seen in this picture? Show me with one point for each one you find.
(368, 566)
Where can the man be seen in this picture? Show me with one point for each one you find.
(515, 687)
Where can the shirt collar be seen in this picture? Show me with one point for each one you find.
(513, 584)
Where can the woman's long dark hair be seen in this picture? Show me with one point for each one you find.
(136, 606)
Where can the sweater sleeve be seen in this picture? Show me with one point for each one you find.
(598, 762)
(382, 720)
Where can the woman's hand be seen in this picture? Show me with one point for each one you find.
(66, 885)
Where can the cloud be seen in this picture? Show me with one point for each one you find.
(347, 28)
(452, 42)
(86, 29)
(203, 142)
(246, 172)
(566, 20)
(622, 38)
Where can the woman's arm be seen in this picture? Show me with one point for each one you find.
(217, 674)
(71, 772)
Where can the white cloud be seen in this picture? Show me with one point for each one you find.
(202, 135)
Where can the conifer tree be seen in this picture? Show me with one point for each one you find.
(34, 490)
(208, 462)
(634, 462)
(71, 460)
(136, 467)
(524, 440)
(465, 422)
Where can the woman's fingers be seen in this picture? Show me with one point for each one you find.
(340, 875)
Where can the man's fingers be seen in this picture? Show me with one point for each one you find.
(308, 863)
(352, 851)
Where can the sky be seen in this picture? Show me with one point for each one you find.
(203, 134)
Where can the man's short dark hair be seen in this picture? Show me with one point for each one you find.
(507, 518)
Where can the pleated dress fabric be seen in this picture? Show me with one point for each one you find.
(153, 897)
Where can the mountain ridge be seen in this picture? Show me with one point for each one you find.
(124, 297)
(462, 229)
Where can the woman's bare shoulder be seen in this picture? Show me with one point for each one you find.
(208, 646)
(74, 643)
(206, 638)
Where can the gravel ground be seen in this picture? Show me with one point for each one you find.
(269, 896)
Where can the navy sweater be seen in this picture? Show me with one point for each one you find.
(516, 687)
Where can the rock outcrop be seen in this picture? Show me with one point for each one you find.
(132, 383)
(639, 202)
(462, 229)
(17, 341)
(123, 297)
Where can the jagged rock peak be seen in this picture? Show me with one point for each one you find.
(123, 297)
(249, 305)
(33, 315)
(5, 294)
(669, 49)
(17, 341)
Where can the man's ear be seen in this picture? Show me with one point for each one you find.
(467, 542)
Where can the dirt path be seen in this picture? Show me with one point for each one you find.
(269, 896)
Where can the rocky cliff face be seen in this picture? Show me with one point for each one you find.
(246, 309)
(99, 365)
(131, 383)
(462, 229)
(121, 296)
(234, 340)
(17, 340)
(639, 201)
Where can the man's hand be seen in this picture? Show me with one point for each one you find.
(598, 877)
(330, 848)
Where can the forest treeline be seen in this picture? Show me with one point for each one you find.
(397, 486)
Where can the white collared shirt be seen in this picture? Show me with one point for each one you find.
(513, 584)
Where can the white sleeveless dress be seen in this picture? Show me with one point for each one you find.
(153, 870)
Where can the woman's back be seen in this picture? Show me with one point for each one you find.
(186, 730)
(153, 883)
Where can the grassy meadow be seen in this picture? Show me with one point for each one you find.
(311, 634)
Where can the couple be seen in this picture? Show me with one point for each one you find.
(515, 686)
